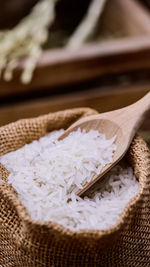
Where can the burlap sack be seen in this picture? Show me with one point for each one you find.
(25, 243)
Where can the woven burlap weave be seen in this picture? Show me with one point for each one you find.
(25, 243)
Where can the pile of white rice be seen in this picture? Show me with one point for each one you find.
(48, 172)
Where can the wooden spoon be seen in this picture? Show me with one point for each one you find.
(122, 122)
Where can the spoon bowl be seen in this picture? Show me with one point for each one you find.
(122, 123)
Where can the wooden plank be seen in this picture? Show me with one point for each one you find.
(61, 67)
(101, 99)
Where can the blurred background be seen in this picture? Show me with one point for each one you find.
(60, 54)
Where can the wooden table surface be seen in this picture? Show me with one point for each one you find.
(102, 99)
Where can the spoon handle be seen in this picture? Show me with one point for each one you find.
(142, 105)
(136, 112)
(131, 117)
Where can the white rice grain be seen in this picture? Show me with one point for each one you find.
(47, 172)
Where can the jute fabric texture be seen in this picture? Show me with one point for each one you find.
(26, 243)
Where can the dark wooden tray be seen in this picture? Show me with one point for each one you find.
(128, 50)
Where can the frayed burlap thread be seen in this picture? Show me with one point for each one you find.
(26, 243)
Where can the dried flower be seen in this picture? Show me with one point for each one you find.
(87, 25)
(25, 40)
